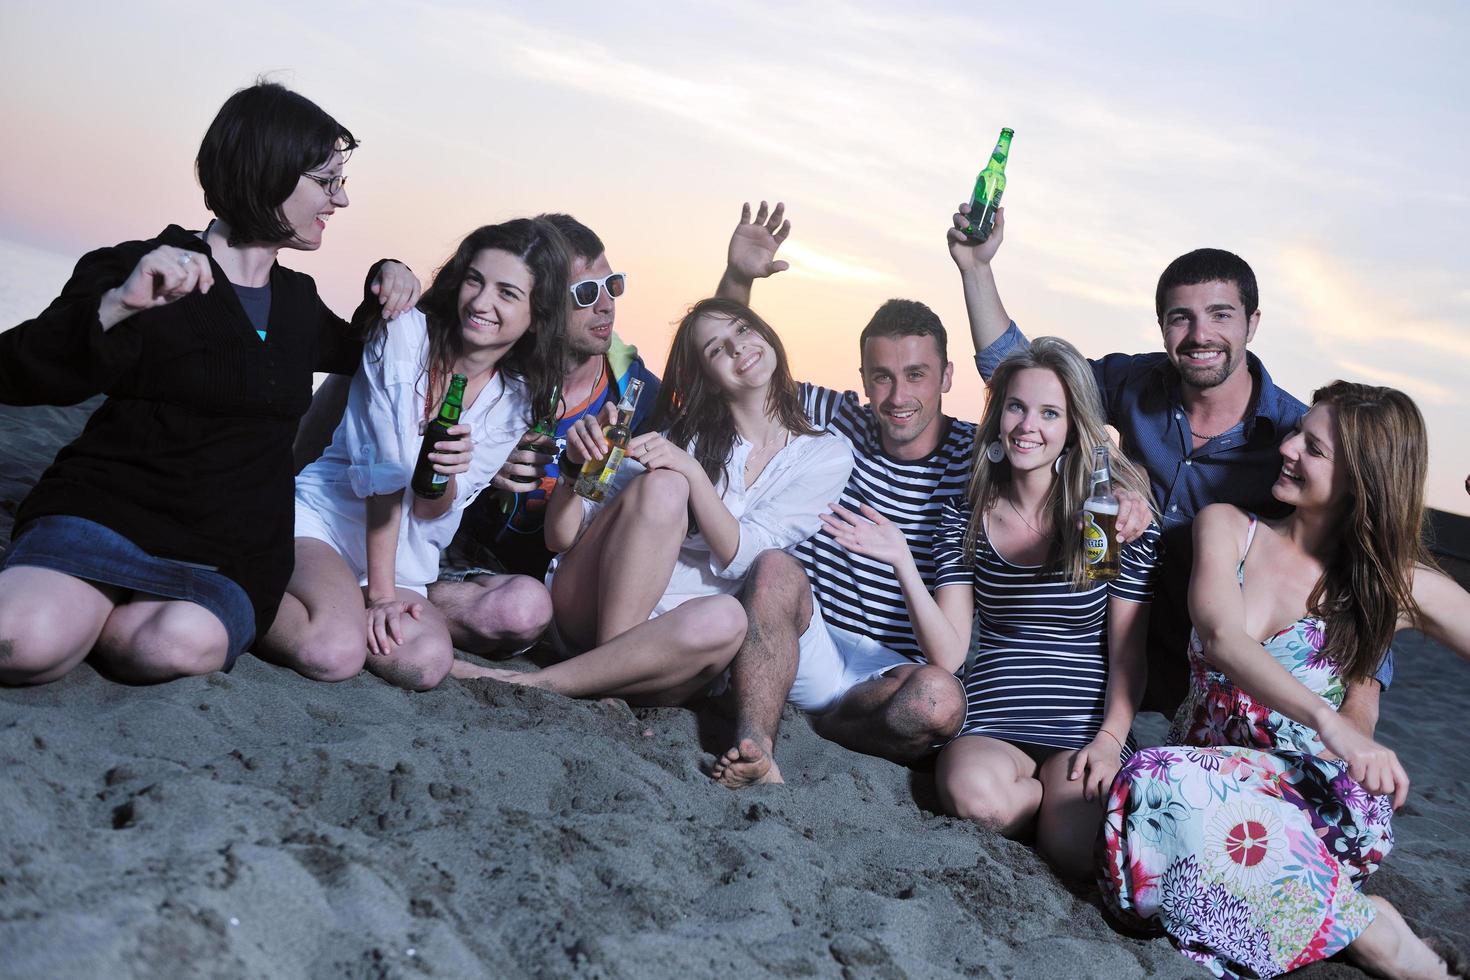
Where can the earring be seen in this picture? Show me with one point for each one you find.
(995, 452)
(1061, 461)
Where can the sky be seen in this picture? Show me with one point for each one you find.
(1324, 142)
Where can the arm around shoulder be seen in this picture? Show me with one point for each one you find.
(1444, 610)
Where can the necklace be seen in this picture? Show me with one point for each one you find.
(1017, 511)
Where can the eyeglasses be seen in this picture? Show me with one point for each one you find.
(329, 184)
(584, 293)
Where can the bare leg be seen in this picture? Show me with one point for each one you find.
(613, 577)
(1067, 826)
(423, 659)
(151, 639)
(778, 606)
(990, 782)
(321, 629)
(1389, 948)
(490, 613)
(899, 716)
(49, 622)
(667, 660)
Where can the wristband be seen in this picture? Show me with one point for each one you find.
(565, 468)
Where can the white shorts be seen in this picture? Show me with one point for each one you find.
(833, 661)
(309, 524)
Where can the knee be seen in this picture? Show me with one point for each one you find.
(28, 644)
(521, 608)
(660, 497)
(776, 588)
(180, 639)
(331, 655)
(426, 665)
(721, 627)
(976, 795)
(930, 704)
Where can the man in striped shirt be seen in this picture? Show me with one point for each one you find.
(829, 628)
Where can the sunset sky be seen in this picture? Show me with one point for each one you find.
(1324, 142)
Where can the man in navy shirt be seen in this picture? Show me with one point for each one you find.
(1203, 416)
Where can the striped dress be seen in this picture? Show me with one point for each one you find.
(1039, 672)
(861, 594)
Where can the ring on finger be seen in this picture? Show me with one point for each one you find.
(185, 258)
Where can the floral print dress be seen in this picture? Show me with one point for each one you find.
(1238, 840)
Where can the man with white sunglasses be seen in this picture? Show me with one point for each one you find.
(502, 531)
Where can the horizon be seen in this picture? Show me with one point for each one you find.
(1141, 133)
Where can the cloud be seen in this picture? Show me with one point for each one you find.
(807, 262)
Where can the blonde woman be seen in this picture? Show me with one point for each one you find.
(1058, 672)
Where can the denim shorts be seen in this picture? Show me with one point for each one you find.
(87, 550)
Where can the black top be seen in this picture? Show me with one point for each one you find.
(189, 456)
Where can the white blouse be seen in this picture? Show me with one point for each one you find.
(376, 447)
(780, 510)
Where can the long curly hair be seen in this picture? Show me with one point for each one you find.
(537, 358)
(1086, 430)
(1369, 580)
(691, 411)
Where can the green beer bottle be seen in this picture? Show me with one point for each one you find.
(989, 186)
(545, 428)
(427, 481)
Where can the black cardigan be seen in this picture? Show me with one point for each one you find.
(189, 456)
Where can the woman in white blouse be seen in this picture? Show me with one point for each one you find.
(645, 583)
(366, 546)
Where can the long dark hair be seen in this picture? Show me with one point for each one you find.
(1369, 581)
(536, 359)
(691, 410)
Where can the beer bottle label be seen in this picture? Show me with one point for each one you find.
(614, 459)
(1094, 541)
(439, 478)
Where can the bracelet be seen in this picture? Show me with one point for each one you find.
(1104, 731)
(565, 467)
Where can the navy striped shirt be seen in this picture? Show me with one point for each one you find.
(861, 594)
(1039, 673)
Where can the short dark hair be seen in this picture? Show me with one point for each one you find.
(254, 153)
(1208, 265)
(583, 241)
(906, 318)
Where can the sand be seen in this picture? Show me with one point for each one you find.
(258, 825)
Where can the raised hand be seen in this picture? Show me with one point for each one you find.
(163, 276)
(967, 254)
(753, 244)
(396, 287)
(867, 533)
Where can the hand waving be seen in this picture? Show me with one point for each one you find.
(867, 533)
(753, 244)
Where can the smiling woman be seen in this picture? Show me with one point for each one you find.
(158, 543)
(495, 315)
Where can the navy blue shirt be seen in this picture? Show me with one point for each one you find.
(1140, 394)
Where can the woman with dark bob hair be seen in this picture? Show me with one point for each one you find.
(643, 590)
(159, 541)
(496, 314)
(1247, 839)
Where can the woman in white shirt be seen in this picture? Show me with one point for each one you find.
(366, 546)
(646, 580)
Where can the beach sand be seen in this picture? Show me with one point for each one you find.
(259, 825)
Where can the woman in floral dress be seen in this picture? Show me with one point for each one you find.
(1248, 838)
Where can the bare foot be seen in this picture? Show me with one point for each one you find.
(745, 765)
(1389, 948)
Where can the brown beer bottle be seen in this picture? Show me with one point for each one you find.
(427, 481)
